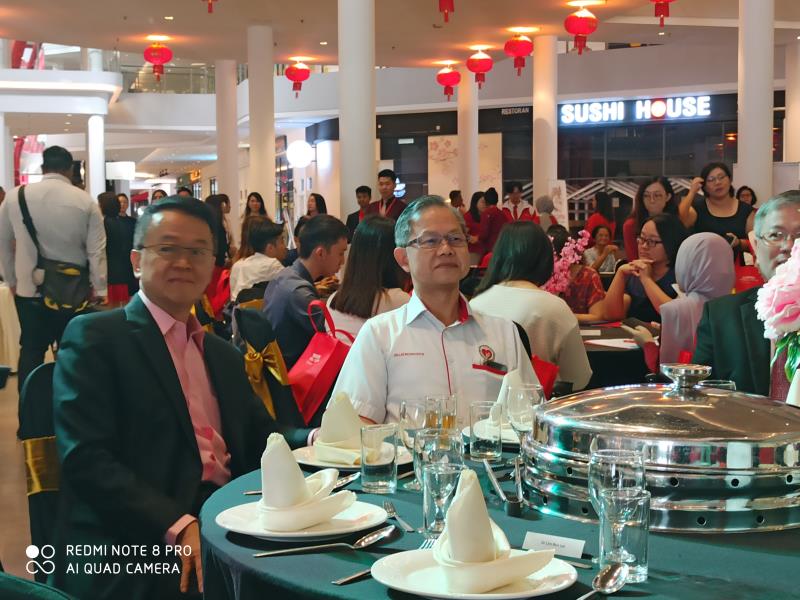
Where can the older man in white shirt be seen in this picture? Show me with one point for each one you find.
(435, 345)
(69, 228)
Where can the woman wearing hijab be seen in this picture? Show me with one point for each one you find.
(704, 269)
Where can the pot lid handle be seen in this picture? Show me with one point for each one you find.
(685, 376)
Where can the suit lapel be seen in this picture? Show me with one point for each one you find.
(756, 343)
(146, 333)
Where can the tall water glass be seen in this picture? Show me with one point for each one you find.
(624, 527)
(379, 458)
(485, 430)
(437, 446)
(413, 417)
(521, 402)
(439, 481)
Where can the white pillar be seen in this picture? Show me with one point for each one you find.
(91, 59)
(228, 139)
(756, 56)
(545, 113)
(791, 127)
(468, 170)
(95, 156)
(356, 28)
(260, 70)
(5, 53)
(6, 155)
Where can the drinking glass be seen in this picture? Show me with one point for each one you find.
(521, 403)
(433, 412)
(449, 412)
(624, 525)
(485, 430)
(722, 384)
(439, 482)
(413, 417)
(614, 469)
(379, 458)
(437, 446)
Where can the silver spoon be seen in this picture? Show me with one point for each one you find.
(609, 580)
(361, 543)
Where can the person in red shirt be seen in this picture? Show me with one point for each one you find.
(492, 220)
(603, 214)
(514, 208)
(388, 205)
(472, 218)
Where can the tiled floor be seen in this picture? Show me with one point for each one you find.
(14, 531)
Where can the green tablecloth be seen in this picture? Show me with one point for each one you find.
(736, 566)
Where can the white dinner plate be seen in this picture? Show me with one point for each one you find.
(357, 517)
(307, 456)
(508, 435)
(417, 572)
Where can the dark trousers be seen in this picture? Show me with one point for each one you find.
(40, 327)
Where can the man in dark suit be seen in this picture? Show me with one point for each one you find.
(388, 205)
(730, 337)
(151, 416)
(363, 196)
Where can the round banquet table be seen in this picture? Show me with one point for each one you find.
(613, 366)
(746, 566)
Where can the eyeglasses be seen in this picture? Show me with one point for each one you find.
(716, 179)
(778, 238)
(431, 241)
(648, 242)
(172, 252)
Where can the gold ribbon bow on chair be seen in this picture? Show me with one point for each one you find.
(271, 359)
(41, 464)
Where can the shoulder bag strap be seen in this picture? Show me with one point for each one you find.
(26, 217)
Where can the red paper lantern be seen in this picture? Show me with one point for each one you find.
(446, 7)
(449, 78)
(662, 9)
(210, 5)
(518, 48)
(159, 55)
(480, 63)
(580, 24)
(297, 73)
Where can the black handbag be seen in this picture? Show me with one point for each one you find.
(65, 286)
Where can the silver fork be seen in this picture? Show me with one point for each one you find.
(425, 545)
(388, 506)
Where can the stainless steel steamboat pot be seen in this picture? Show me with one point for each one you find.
(715, 460)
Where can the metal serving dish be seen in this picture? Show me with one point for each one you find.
(715, 460)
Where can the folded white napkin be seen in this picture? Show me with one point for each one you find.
(473, 551)
(510, 379)
(290, 501)
(339, 439)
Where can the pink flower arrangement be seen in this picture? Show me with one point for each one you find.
(571, 253)
(778, 305)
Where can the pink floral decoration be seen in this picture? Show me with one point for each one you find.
(778, 303)
(571, 253)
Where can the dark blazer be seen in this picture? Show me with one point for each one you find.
(130, 466)
(730, 339)
(352, 222)
(396, 208)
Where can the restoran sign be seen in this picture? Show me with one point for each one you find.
(645, 110)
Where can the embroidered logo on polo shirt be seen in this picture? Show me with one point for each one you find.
(486, 353)
(409, 354)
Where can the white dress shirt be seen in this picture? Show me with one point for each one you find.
(408, 354)
(254, 269)
(68, 224)
(552, 329)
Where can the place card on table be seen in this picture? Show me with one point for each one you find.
(562, 545)
(591, 332)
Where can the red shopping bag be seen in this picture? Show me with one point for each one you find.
(315, 372)
(547, 373)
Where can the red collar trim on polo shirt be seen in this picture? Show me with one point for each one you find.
(463, 309)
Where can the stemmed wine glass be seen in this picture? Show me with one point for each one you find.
(621, 470)
(521, 402)
(413, 418)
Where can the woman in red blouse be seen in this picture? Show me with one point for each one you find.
(472, 218)
(492, 220)
(603, 214)
(585, 293)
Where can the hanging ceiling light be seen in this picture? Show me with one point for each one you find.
(580, 24)
(446, 7)
(518, 47)
(210, 5)
(480, 63)
(662, 9)
(297, 74)
(158, 54)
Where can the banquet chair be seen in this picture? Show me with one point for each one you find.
(265, 367)
(41, 460)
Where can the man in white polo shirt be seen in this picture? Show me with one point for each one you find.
(434, 345)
